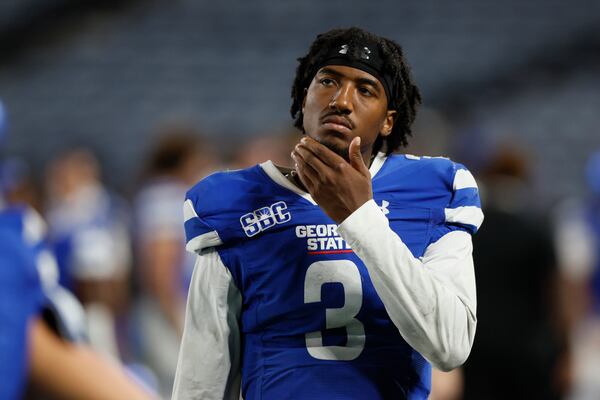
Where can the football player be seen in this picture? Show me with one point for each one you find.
(347, 276)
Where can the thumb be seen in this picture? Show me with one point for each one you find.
(355, 156)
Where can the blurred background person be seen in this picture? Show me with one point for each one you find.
(43, 335)
(32, 351)
(179, 158)
(275, 147)
(18, 183)
(521, 347)
(577, 221)
(89, 231)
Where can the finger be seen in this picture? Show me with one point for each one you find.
(311, 159)
(355, 157)
(305, 168)
(304, 171)
(321, 151)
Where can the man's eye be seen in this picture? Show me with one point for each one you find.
(365, 91)
(326, 82)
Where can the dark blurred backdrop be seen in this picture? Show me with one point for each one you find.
(108, 74)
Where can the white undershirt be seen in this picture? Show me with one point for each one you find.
(431, 301)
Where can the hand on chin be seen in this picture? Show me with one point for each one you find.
(336, 144)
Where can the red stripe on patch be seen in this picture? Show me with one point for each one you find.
(314, 253)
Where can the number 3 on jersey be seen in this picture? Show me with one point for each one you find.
(346, 273)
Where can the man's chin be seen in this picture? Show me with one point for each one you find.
(342, 151)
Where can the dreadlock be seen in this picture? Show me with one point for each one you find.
(405, 96)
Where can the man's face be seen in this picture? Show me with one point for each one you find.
(342, 103)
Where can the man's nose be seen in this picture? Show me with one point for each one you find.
(342, 101)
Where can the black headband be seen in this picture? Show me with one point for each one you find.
(364, 57)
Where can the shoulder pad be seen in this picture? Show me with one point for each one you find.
(213, 208)
(462, 206)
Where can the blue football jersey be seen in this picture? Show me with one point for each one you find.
(21, 298)
(313, 326)
(63, 311)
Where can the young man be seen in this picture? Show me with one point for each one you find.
(348, 276)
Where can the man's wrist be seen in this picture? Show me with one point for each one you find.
(361, 221)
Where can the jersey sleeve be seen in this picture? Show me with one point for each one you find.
(210, 353)
(463, 211)
(199, 234)
(465, 207)
(216, 208)
(202, 215)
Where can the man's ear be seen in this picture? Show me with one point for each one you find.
(388, 122)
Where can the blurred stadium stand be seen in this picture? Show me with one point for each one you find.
(107, 73)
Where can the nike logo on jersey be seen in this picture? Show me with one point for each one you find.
(264, 218)
(322, 239)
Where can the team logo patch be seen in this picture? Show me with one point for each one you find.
(264, 218)
(322, 239)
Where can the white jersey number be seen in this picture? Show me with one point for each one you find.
(346, 273)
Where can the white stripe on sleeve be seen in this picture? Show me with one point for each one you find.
(204, 241)
(188, 211)
(469, 215)
(463, 180)
(34, 227)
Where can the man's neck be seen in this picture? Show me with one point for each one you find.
(292, 175)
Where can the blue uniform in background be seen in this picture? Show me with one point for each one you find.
(21, 299)
(312, 323)
(28, 289)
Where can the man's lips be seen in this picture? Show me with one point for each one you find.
(337, 123)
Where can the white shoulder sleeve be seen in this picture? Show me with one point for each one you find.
(209, 356)
(431, 301)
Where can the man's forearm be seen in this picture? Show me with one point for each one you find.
(431, 302)
(77, 372)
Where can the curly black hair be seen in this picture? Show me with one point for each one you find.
(406, 97)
